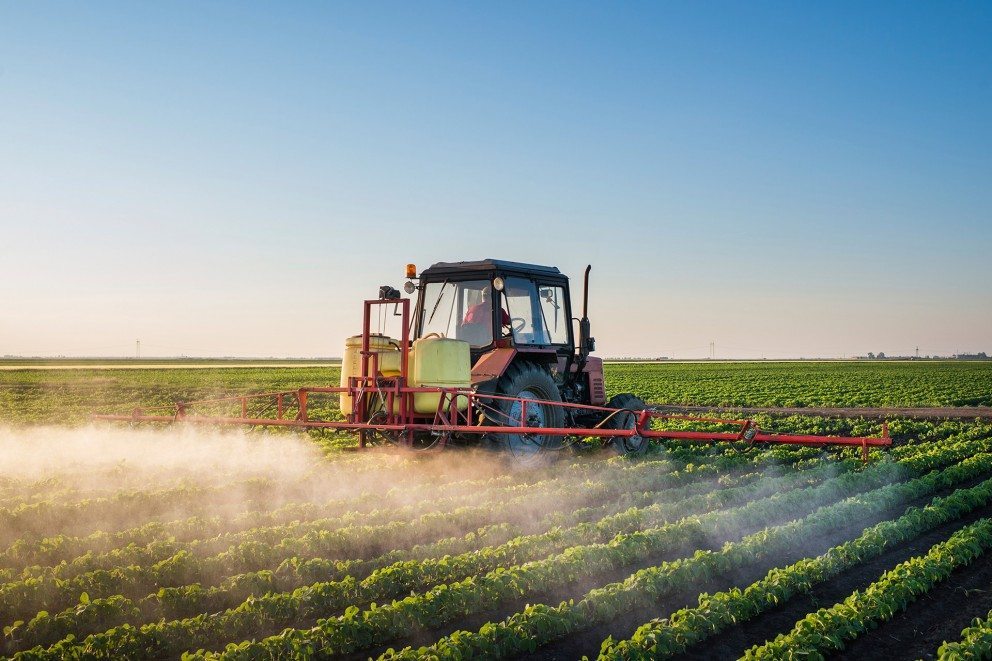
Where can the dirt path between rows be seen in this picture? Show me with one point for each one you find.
(891, 640)
(921, 413)
(588, 641)
(731, 643)
(938, 616)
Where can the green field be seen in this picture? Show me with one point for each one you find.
(119, 542)
(69, 396)
(809, 383)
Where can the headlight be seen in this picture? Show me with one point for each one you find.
(409, 287)
(498, 283)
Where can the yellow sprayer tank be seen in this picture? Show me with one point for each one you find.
(439, 362)
(351, 365)
(433, 362)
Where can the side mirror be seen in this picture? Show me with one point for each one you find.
(591, 344)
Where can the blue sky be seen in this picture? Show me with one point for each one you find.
(784, 179)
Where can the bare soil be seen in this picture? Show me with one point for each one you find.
(732, 643)
(889, 641)
(588, 642)
(938, 616)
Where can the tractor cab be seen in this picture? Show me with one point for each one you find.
(517, 319)
(495, 304)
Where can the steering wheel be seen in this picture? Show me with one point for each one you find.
(517, 324)
(441, 335)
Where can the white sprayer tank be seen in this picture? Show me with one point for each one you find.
(351, 364)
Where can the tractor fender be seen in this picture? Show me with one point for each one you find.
(493, 364)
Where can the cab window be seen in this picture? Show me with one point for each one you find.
(536, 317)
(554, 314)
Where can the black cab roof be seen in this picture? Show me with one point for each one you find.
(490, 265)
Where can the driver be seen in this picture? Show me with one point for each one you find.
(481, 312)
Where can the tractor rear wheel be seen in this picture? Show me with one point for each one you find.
(528, 381)
(626, 419)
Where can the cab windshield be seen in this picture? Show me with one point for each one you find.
(460, 310)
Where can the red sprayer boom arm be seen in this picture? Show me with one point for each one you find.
(461, 413)
(291, 410)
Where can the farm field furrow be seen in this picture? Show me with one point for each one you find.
(393, 581)
(593, 641)
(138, 543)
(24, 550)
(316, 519)
(726, 622)
(975, 641)
(828, 628)
(584, 563)
(163, 564)
(937, 616)
(196, 598)
(643, 477)
(541, 624)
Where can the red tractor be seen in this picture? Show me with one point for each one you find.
(523, 344)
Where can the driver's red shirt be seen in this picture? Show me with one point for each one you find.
(479, 313)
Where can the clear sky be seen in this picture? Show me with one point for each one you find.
(233, 178)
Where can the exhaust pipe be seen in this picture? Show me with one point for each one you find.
(587, 344)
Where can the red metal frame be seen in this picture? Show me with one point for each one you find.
(448, 419)
(402, 420)
(359, 387)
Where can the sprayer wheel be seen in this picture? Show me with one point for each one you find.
(626, 419)
(531, 382)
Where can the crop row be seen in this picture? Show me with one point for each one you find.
(269, 540)
(31, 394)
(439, 605)
(883, 469)
(212, 537)
(104, 480)
(807, 384)
(131, 574)
(681, 630)
(640, 475)
(540, 624)
(294, 520)
(143, 505)
(275, 610)
(357, 629)
(37, 517)
(63, 547)
(826, 630)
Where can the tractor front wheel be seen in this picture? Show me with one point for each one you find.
(626, 419)
(530, 382)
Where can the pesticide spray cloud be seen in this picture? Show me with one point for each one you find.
(74, 499)
(214, 490)
(74, 481)
(147, 457)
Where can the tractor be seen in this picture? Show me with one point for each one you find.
(511, 338)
